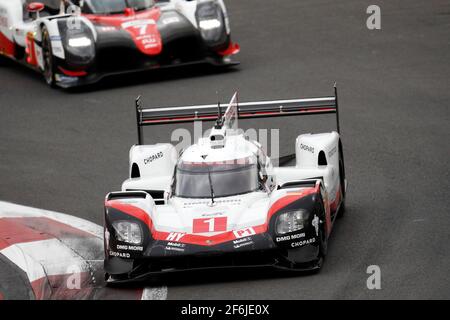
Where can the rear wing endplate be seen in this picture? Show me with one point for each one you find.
(246, 110)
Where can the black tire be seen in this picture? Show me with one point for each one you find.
(323, 242)
(314, 266)
(323, 245)
(341, 212)
(323, 248)
(3, 61)
(49, 63)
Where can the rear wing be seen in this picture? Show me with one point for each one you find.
(246, 110)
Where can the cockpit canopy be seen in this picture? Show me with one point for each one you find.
(221, 179)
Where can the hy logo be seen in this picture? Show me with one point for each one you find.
(175, 236)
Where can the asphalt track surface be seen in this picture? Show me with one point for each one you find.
(64, 151)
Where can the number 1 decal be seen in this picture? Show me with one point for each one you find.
(210, 225)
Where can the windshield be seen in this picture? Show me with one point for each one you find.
(195, 180)
(115, 6)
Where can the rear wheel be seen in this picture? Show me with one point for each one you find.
(342, 184)
(323, 245)
(49, 64)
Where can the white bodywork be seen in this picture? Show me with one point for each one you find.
(16, 29)
(307, 149)
(157, 165)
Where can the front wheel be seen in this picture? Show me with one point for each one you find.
(323, 247)
(3, 60)
(49, 64)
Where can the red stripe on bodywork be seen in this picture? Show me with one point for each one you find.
(317, 110)
(132, 211)
(146, 37)
(288, 199)
(232, 49)
(7, 47)
(205, 240)
(71, 73)
(299, 111)
(168, 120)
(31, 49)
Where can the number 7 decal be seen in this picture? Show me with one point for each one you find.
(210, 225)
(142, 29)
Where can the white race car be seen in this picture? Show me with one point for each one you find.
(221, 202)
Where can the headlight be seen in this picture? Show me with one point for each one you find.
(80, 42)
(210, 24)
(291, 221)
(128, 232)
(210, 21)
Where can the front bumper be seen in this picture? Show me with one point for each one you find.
(95, 75)
(259, 251)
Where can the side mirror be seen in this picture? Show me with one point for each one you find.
(35, 7)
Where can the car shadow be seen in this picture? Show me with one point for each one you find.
(129, 79)
(153, 76)
(216, 276)
(21, 69)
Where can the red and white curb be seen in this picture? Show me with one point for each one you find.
(60, 254)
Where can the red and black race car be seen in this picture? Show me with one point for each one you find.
(76, 42)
